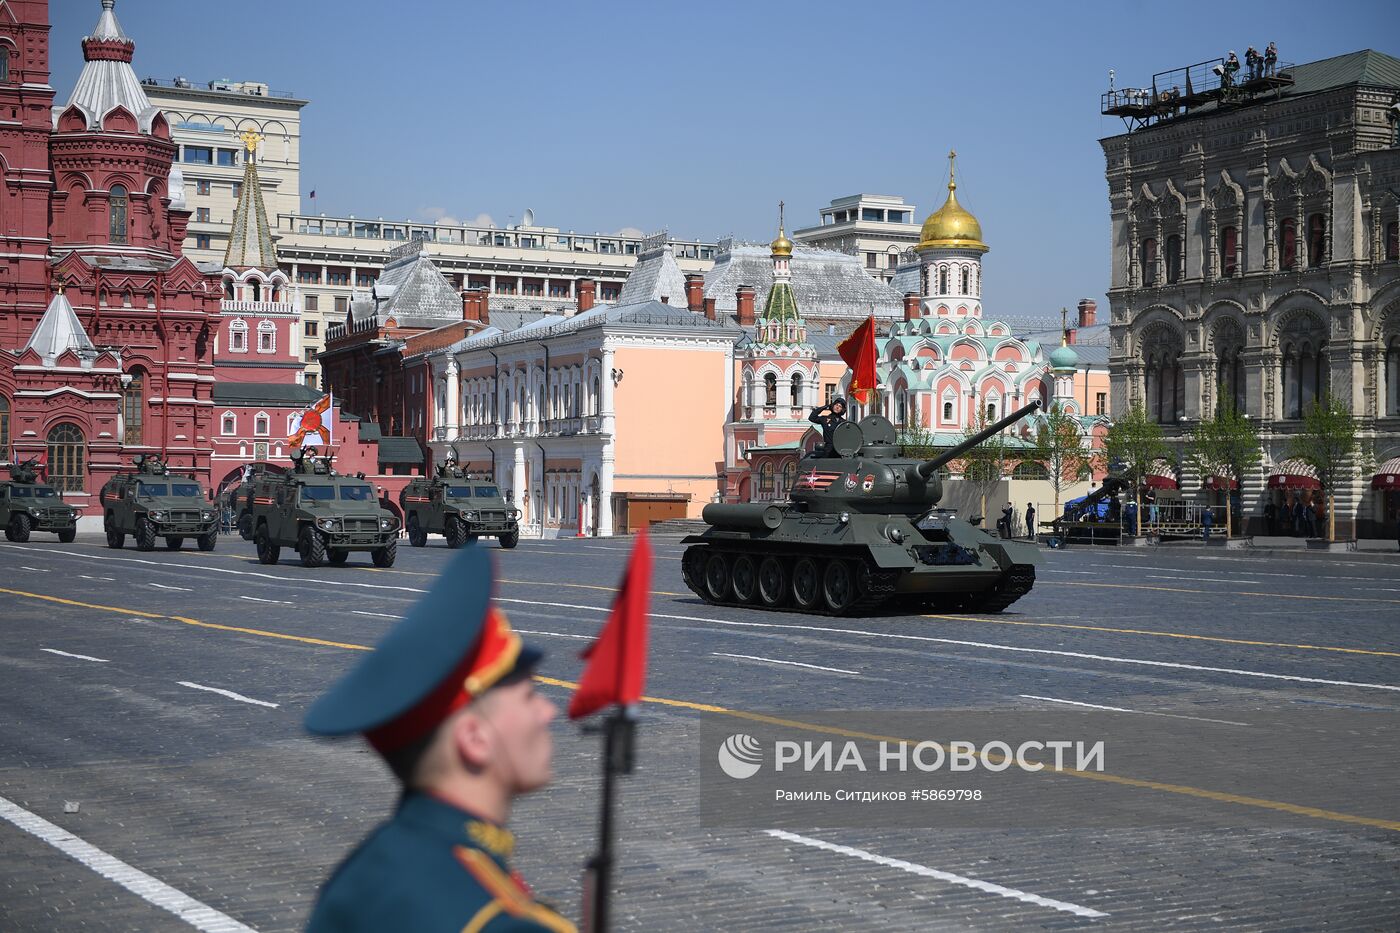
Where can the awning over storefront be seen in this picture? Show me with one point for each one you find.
(1294, 474)
(1220, 482)
(1388, 476)
(1160, 476)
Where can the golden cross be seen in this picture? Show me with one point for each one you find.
(952, 157)
(780, 216)
(250, 138)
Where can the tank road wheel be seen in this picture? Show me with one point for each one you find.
(311, 547)
(416, 535)
(806, 584)
(115, 539)
(508, 540)
(145, 534)
(772, 582)
(839, 586)
(20, 526)
(245, 526)
(336, 556)
(744, 578)
(173, 544)
(207, 541)
(717, 578)
(384, 556)
(693, 568)
(455, 532)
(67, 535)
(267, 551)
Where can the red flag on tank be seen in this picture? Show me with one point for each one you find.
(858, 350)
(617, 661)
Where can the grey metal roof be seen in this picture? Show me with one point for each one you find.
(264, 393)
(411, 290)
(1364, 67)
(828, 286)
(1095, 336)
(105, 84)
(127, 263)
(59, 331)
(399, 450)
(656, 275)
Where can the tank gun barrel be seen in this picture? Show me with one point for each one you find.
(928, 467)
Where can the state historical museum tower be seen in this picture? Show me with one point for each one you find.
(106, 328)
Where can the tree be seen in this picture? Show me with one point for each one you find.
(984, 465)
(1133, 444)
(1059, 447)
(1226, 446)
(1327, 443)
(917, 442)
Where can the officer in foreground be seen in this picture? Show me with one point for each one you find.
(447, 699)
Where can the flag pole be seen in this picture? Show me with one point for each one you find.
(619, 734)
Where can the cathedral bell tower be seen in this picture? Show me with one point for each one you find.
(950, 257)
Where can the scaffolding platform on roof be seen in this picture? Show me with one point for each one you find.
(1179, 91)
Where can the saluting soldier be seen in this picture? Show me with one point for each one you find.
(447, 699)
(828, 417)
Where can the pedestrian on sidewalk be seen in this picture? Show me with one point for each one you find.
(1008, 515)
(1206, 520)
(1298, 524)
(1271, 518)
(1030, 520)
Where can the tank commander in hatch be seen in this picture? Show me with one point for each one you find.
(828, 417)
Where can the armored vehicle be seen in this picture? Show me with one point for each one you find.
(27, 505)
(321, 513)
(150, 502)
(861, 529)
(459, 506)
(240, 499)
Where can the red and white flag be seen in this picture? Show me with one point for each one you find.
(312, 427)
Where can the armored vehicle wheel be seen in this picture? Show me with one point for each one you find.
(806, 584)
(717, 578)
(336, 556)
(267, 551)
(311, 547)
(416, 535)
(744, 578)
(20, 526)
(173, 544)
(455, 532)
(772, 582)
(839, 586)
(245, 526)
(508, 540)
(9, 533)
(67, 535)
(145, 535)
(206, 542)
(115, 539)
(384, 556)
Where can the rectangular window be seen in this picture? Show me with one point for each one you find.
(310, 355)
(342, 304)
(868, 213)
(230, 424)
(201, 187)
(228, 157)
(199, 155)
(311, 328)
(202, 241)
(828, 392)
(364, 279)
(311, 381)
(1100, 403)
(265, 341)
(872, 260)
(894, 260)
(1392, 241)
(337, 278)
(201, 214)
(309, 276)
(237, 188)
(312, 304)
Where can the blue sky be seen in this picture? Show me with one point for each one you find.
(700, 116)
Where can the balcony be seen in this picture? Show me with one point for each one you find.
(257, 307)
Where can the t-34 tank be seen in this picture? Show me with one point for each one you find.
(861, 529)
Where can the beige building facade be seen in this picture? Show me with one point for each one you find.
(877, 228)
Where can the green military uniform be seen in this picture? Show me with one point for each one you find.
(431, 867)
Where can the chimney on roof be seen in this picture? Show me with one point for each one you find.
(483, 303)
(911, 306)
(665, 299)
(695, 292)
(1071, 335)
(744, 297)
(710, 309)
(471, 309)
(1087, 309)
(586, 291)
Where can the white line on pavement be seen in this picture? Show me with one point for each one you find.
(900, 636)
(35, 569)
(526, 631)
(200, 916)
(750, 657)
(69, 654)
(102, 579)
(228, 693)
(377, 615)
(926, 872)
(259, 599)
(163, 586)
(1229, 581)
(1143, 712)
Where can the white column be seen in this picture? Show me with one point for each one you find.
(605, 491)
(454, 403)
(609, 419)
(517, 482)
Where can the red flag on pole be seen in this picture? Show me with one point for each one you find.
(858, 350)
(617, 661)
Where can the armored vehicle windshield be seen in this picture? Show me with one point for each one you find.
(35, 492)
(328, 492)
(177, 489)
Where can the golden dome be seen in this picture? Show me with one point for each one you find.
(951, 226)
(782, 246)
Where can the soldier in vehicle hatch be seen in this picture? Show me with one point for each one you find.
(828, 416)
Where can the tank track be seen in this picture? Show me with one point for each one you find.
(1018, 583)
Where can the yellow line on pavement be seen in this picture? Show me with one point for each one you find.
(1139, 631)
(1240, 799)
(1181, 589)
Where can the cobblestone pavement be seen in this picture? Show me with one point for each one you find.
(228, 803)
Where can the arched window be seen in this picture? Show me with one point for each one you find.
(1317, 240)
(796, 383)
(228, 423)
(1029, 469)
(238, 336)
(901, 407)
(4, 420)
(67, 458)
(789, 476)
(267, 336)
(116, 206)
(597, 396)
(770, 390)
(1229, 251)
(1392, 376)
(966, 280)
(1288, 243)
(1149, 261)
(765, 480)
(1173, 259)
(947, 411)
(942, 280)
(1229, 370)
(1164, 384)
(260, 424)
(133, 409)
(4, 62)
(1392, 241)
(1304, 375)
(991, 410)
(228, 289)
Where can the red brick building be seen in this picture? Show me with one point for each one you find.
(106, 329)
